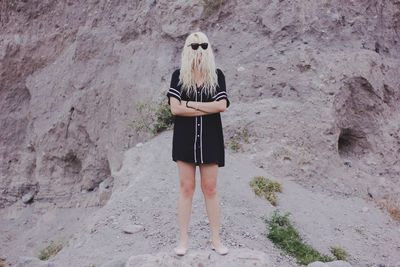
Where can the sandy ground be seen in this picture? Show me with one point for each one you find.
(145, 194)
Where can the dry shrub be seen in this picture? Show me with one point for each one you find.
(391, 205)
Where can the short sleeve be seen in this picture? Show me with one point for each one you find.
(221, 89)
(174, 89)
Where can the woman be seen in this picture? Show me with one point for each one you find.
(196, 96)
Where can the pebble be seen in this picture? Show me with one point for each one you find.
(133, 228)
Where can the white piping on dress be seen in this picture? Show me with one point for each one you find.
(222, 92)
(195, 136)
(176, 91)
(221, 97)
(201, 129)
(172, 93)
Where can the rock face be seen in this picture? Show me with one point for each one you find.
(72, 73)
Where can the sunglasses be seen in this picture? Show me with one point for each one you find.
(195, 46)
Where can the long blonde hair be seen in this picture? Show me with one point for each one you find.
(206, 66)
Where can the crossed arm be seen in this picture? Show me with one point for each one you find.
(204, 108)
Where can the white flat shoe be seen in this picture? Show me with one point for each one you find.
(180, 251)
(220, 251)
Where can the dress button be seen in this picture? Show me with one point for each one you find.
(198, 124)
(198, 135)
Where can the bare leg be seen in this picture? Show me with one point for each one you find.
(209, 187)
(187, 172)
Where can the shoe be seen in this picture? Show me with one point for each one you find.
(220, 251)
(180, 251)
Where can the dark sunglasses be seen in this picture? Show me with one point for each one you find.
(195, 46)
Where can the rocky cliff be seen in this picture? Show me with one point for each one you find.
(73, 71)
(318, 82)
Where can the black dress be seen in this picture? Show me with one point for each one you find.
(198, 139)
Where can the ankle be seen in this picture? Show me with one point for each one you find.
(216, 242)
(215, 238)
(183, 240)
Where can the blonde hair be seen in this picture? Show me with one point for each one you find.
(206, 66)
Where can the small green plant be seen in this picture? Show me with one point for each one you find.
(143, 120)
(153, 117)
(358, 230)
(265, 187)
(240, 136)
(52, 249)
(339, 253)
(235, 145)
(210, 7)
(164, 117)
(282, 233)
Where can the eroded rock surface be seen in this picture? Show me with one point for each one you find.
(317, 83)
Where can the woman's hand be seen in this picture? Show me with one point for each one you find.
(179, 108)
(209, 107)
(204, 108)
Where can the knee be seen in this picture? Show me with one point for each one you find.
(187, 190)
(209, 190)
